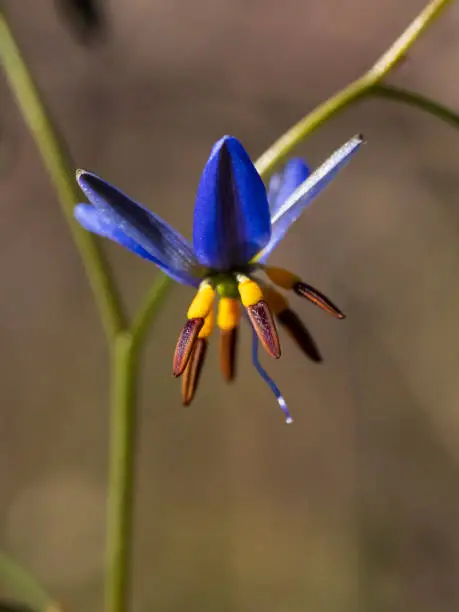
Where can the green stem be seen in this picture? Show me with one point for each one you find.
(398, 49)
(356, 90)
(25, 585)
(418, 101)
(277, 153)
(121, 473)
(125, 345)
(265, 165)
(148, 309)
(122, 446)
(62, 175)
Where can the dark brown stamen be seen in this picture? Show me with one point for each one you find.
(228, 345)
(298, 331)
(319, 299)
(263, 323)
(185, 343)
(193, 371)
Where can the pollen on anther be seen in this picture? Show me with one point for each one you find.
(192, 373)
(185, 344)
(263, 323)
(250, 292)
(202, 302)
(319, 299)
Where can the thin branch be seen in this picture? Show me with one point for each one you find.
(416, 100)
(149, 307)
(61, 171)
(356, 90)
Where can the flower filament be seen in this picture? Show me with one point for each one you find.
(261, 304)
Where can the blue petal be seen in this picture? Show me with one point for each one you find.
(283, 184)
(94, 221)
(166, 246)
(231, 216)
(292, 208)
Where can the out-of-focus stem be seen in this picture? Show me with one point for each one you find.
(416, 100)
(353, 92)
(62, 174)
(27, 587)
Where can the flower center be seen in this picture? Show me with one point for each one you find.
(225, 285)
(231, 288)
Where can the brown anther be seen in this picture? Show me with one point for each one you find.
(228, 345)
(185, 344)
(193, 371)
(263, 323)
(319, 299)
(299, 333)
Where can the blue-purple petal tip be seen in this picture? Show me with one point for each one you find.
(122, 219)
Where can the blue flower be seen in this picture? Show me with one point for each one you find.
(237, 225)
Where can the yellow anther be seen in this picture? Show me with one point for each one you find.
(202, 303)
(228, 313)
(250, 292)
(208, 326)
(276, 301)
(281, 278)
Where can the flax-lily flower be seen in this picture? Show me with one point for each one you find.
(236, 227)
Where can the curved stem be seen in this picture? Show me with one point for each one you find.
(62, 175)
(25, 585)
(150, 306)
(418, 101)
(125, 345)
(398, 49)
(356, 90)
(277, 153)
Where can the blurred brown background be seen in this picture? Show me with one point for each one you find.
(355, 506)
